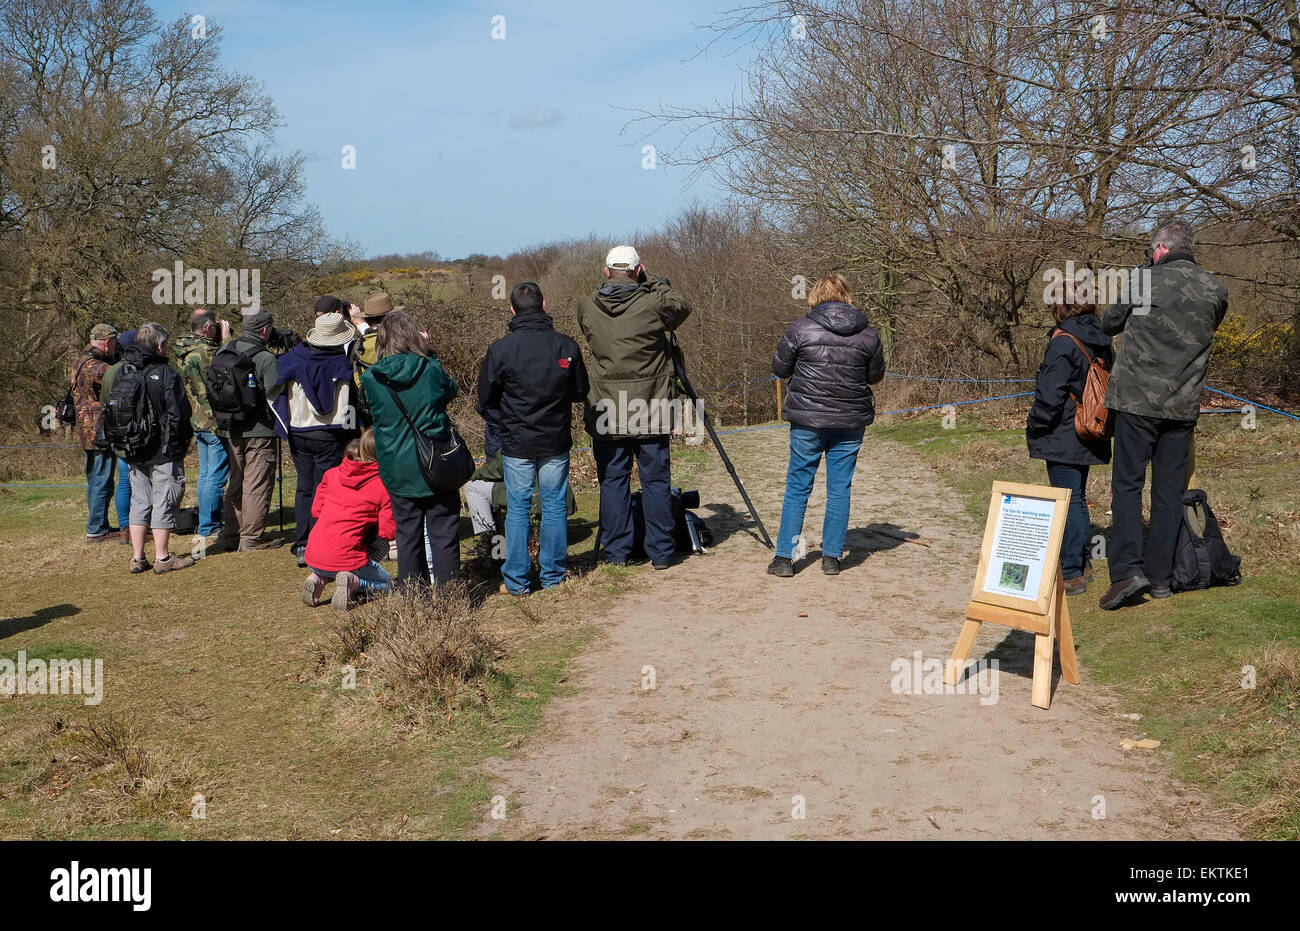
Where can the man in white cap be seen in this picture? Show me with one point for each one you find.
(632, 386)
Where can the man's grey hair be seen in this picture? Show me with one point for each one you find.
(152, 335)
(200, 319)
(1174, 235)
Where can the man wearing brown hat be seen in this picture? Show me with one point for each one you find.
(314, 411)
(252, 446)
(87, 379)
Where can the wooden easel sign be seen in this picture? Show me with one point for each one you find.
(1019, 583)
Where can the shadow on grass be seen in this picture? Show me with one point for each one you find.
(43, 616)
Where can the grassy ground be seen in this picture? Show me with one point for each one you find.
(1179, 663)
(220, 682)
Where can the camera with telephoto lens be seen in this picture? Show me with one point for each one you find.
(282, 339)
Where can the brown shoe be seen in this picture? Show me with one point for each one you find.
(139, 565)
(1123, 590)
(345, 586)
(1076, 586)
(108, 536)
(124, 536)
(312, 586)
(171, 564)
(1087, 575)
(263, 543)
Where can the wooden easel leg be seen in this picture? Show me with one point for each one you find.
(1065, 638)
(1041, 696)
(961, 652)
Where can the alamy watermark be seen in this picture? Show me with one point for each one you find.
(52, 677)
(919, 676)
(1100, 287)
(206, 287)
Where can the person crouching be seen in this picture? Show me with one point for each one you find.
(351, 507)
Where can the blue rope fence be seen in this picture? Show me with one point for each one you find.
(767, 378)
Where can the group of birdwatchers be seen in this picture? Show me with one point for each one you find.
(359, 399)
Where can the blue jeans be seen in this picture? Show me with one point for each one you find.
(122, 499)
(373, 578)
(214, 470)
(806, 448)
(1078, 522)
(99, 485)
(551, 476)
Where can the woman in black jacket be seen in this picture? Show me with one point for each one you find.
(832, 357)
(1075, 340)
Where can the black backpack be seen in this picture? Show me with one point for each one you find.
(1201, 558)
(231, 381)
(127, 420)
(66, 410)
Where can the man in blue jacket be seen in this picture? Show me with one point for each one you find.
(530, 378)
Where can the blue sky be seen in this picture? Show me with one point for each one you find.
(468, 144)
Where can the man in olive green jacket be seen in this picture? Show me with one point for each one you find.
(629, 411)
(252, 448)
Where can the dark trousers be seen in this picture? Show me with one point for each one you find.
(312, 458)
(1162, 444)
(428, 539)
(1078, 522)
(614, 470)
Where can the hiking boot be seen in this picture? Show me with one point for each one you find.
(302, 558)
(1123, 590)
(831, 565)
(1161, 591)
(171, 564)
(781, 566)
(312, 586)
(1077, 585)
(124, 536)
(262, 543)
(345, 586)
(139, 565)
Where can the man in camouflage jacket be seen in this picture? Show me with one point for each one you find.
(191, 356)
(87, 377)
(1155, 391)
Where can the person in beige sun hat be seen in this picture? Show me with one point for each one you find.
(374, 309)
(315, 410)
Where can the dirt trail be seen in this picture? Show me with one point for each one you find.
(754, 705)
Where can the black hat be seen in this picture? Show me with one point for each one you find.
(329, 304)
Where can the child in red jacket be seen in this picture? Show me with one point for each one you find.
(351, 504)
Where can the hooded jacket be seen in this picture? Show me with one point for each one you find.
(350, 507)
(1163, 359)
(1050, 428)
(631, 364)
(532, 376)
(831, 357)
(171, 407)
(317, 391)
(425, 391)
(265, 371)
(191, 356)
(87, 377)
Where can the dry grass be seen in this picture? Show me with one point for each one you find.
(427, 653)
(118, 772)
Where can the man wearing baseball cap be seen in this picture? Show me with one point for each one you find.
(631, 374)
(87, 379)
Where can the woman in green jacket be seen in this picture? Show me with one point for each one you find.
(409, 368)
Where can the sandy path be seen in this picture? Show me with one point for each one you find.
(754, 705)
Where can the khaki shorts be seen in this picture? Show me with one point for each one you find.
(156, 493)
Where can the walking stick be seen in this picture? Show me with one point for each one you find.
(279, 481)
(680, 365)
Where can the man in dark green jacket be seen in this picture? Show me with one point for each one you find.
(629, 412)
(252, 448)
(1168, 320)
